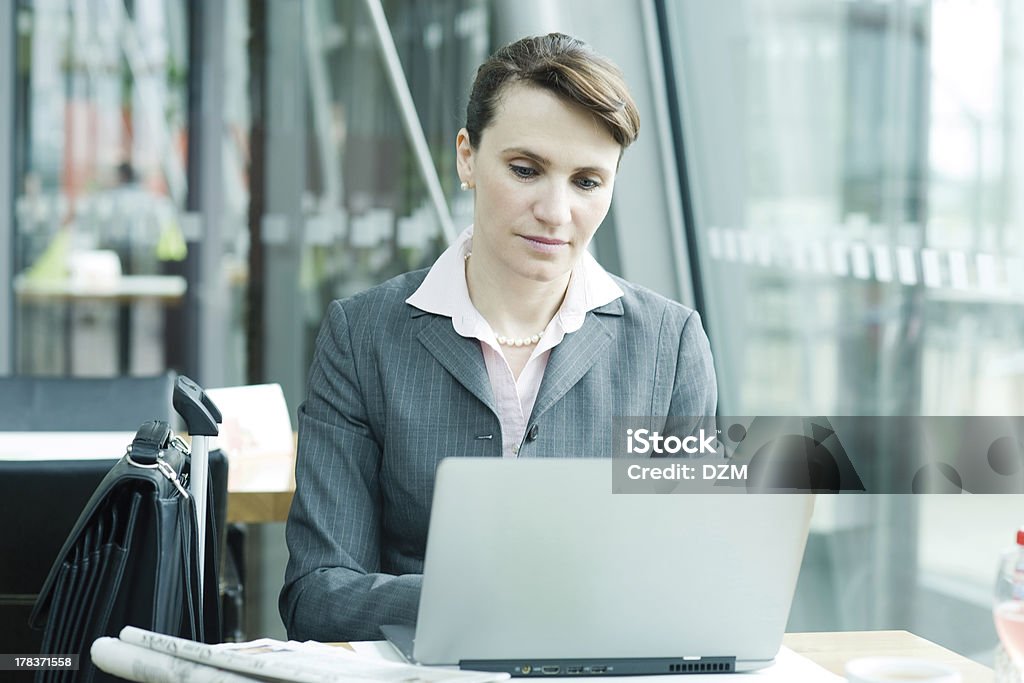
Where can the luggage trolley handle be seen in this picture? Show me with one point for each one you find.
(195, 407)
(201, 418)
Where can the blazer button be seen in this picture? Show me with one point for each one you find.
(532, 436)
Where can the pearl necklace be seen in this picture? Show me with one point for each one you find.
(525, 341)
(514, 341)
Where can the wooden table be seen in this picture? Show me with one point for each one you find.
(259, 507)
(264, 506)
(833, 650)
(122, 290)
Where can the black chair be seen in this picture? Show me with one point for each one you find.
(45, 497)
(76, 404)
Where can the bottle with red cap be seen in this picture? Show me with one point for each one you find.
(1008, 612)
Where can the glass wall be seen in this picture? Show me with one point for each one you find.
(854, 172)
(298, 182)
(853, 169)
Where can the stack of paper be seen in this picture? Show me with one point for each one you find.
(147, 657)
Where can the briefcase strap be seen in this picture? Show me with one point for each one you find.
(151, 438)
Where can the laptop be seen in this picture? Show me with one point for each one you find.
(534, 567)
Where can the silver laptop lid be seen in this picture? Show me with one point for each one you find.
(538, 559)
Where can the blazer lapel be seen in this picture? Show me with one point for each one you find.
(460, 356)
(574, 356)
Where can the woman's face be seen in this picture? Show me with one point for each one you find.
(543, 173)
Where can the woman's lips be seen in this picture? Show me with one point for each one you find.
(545, 245)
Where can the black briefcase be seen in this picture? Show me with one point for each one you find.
(132, 558)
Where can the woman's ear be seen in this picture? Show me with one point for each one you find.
(465, 158)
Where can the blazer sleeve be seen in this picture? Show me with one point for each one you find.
(333, 590)
(695, 393)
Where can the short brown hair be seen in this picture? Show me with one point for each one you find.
(563, 65)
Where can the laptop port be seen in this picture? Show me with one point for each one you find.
(550, 670)
(526, 669)
(574, 670)
(598, 669)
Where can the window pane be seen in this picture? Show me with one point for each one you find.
(854, 180)
(101, 110)
(361, 209)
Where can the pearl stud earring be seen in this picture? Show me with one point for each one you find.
(464, 186)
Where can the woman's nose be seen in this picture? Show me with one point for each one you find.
(552, 206)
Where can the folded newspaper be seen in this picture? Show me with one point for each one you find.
(147, 657)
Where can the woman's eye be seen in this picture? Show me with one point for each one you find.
(587, 184)
(523, 171)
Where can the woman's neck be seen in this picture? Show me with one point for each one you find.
(514, 306)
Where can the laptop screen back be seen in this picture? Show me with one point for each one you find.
(538, 559)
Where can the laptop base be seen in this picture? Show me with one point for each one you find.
(639, 666)
(402, 637)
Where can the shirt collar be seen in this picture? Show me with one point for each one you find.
(444, 290)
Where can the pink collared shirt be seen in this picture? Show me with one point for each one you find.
(444, 292)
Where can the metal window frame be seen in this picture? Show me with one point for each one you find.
(205, 310)
(8, 57)
(656, 20)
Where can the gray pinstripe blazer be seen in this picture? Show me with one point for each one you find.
(393, 389)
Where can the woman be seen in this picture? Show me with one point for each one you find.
(515, 343)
